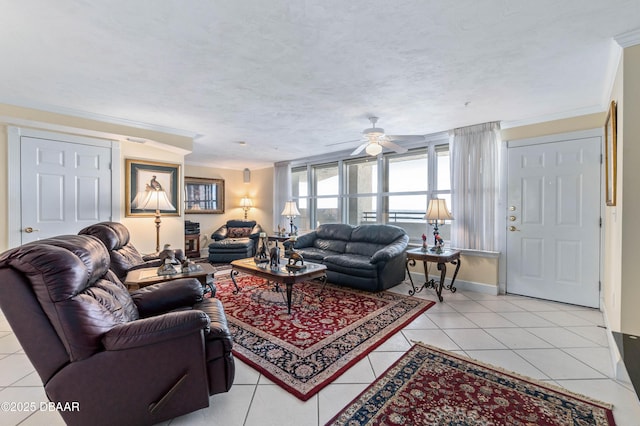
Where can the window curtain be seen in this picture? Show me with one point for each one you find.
(475, 166)
(282, 190)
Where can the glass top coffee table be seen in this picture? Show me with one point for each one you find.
(143, 277)
(279, 275)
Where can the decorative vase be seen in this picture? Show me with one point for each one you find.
(424, 245)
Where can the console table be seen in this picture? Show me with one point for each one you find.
(441, 259)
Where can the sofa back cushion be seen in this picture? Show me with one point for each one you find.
(368, 239)
(333, 237)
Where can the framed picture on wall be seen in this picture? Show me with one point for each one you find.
(610, 152)
(202, 195)
(151, 186)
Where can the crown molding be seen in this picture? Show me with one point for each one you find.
(552, 117)
(629, 38)
(99, 117)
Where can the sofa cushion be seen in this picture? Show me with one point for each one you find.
(362, 248)
(351, 264)
(377, 234)
(334, 231)
(337, 246)
(238, 232)
(232, 243)
(315, 254)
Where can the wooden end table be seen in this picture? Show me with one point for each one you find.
(143, 277)
(441, 259)
(280, 275)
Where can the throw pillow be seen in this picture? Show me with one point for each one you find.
(233, 232)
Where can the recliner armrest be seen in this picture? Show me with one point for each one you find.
(153, 330)
(220, 233)
(166, 296)
(392, 250)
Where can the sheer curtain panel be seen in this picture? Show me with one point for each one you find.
(281, 190)
(475, 166)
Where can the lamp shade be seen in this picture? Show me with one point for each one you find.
(156, 200)
(290, 209)
(246, 202)
(437, 210)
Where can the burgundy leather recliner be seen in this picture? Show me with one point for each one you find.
(138, 358)
(124, 256)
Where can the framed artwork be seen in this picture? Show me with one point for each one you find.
(152, 186)
(610, 152)
(202, 195)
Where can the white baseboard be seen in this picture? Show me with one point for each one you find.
(418, 280)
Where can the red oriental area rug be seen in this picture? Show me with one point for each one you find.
(330, 328)
(430, 386)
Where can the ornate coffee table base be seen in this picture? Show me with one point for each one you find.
(278, 276)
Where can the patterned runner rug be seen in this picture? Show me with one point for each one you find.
(430, 386)
(330, 328)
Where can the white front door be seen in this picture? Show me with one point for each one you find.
(63, 187)
(553, 221)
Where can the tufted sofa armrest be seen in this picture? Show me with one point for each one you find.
(392, 250)
(166, 296)
(153, 330)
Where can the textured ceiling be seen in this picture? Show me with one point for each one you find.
(295, 78)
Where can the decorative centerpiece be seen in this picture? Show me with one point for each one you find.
(261, 254)
(424, 242)
(167, 268)
(296, 262)
(439, 244)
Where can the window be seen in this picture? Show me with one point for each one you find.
(300, 194)
(326, 191)
(361, 191)
(390, 189)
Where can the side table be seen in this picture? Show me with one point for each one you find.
(192, 245)
(441, 259)
(278, 239)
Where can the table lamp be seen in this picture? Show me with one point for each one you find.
(437, 212)
(290, 210)
(246, 204)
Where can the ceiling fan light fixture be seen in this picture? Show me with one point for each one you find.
(373, 132)
(373, 149)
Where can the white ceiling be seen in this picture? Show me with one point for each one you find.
(293, 78)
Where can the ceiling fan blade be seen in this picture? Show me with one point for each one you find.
(344, 142)
(407, 138)
(392, 146)
(359, 149)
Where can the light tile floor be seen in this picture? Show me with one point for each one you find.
(555, 342)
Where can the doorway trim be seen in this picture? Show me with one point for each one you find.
(14, 135)
(558, 137)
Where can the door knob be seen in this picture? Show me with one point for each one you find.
(29, 230)
(513, 228)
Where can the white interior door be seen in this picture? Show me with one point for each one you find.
(63, 187)
(553, 221)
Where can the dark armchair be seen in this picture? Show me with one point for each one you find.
(236, 239)
(124, 256)
(138, 358)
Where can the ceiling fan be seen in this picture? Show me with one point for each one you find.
(375, 140)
